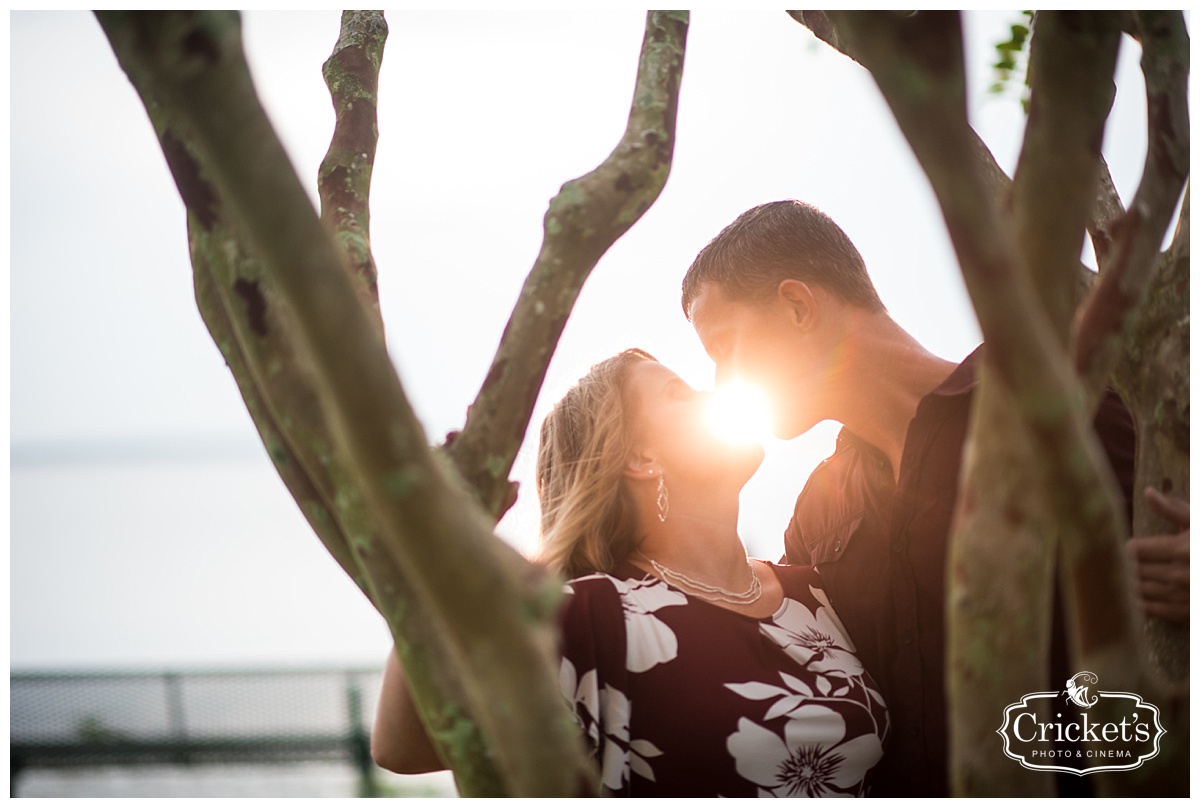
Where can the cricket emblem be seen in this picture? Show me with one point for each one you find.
(1077, 692)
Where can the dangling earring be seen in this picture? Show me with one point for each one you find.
(663, 505)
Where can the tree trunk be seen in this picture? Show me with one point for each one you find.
(291, 302)
(917, 62)
(1154, 378)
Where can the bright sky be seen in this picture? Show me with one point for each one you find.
(483, 115)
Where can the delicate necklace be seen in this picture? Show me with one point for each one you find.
(708, 591)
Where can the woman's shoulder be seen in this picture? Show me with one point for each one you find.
(624, 588)
(616, 580)
(796, 575)
(599, 590)
(800, 582)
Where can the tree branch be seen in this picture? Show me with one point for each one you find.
(583, 221)
(1072, 59)
(344, 179)
(827, 29)
(246, 318)
(494, 609)
(1108, 312)
(995, 180)
(1107, 211)
(1154, 377)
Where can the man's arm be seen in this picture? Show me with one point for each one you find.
(1163, 574)
(399, 742)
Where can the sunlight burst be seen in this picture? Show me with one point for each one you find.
(740, 413)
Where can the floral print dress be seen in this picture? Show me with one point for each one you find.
(681, 697)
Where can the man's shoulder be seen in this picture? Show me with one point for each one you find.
(832, 498)
(851, 455)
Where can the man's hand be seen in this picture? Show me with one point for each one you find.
(1162, 562)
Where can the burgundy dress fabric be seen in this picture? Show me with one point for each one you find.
(680, 697)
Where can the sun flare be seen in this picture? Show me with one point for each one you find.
(740, 413)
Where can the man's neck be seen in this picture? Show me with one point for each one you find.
(886, 374)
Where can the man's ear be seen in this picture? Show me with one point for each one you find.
(798, 298)
(641, 467)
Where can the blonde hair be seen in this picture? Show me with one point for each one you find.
(588, 517)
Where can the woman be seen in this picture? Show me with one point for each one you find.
(694, 670)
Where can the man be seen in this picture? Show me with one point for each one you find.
(781, 298)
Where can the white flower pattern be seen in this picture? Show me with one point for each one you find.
(648, 640)
(816, 640)
(813, 728)
(812, 759)
(606, 710)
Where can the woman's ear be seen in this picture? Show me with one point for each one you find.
(641, 467)
(798, 298)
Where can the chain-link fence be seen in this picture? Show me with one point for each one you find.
(228, 717)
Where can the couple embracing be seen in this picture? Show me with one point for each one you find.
(695, 670)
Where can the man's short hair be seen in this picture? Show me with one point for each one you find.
(776, 241)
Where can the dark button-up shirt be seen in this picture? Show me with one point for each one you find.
(881, 544)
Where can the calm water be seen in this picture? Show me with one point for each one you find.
(180, 558)
(159, 561)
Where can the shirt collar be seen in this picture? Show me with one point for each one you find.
(963, 378)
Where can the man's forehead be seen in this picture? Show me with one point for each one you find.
(711, 309)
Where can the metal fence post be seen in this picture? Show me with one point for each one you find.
(360, 741)
(176, 725)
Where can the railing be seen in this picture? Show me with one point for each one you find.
(62, 719)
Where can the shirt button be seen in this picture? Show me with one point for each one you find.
(906, 639)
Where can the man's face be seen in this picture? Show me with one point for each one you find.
(758, 343)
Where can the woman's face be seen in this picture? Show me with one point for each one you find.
(671, 426)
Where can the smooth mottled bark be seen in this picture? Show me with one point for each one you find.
(1099, 336)
(823, 26)
(917, 62)
(344, 179)
(1000, 561)
(586, 217)
(1154, 378)
(249, 322)
(1138, 316)
(1072, 59)
(997, 634)
(191, 65)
